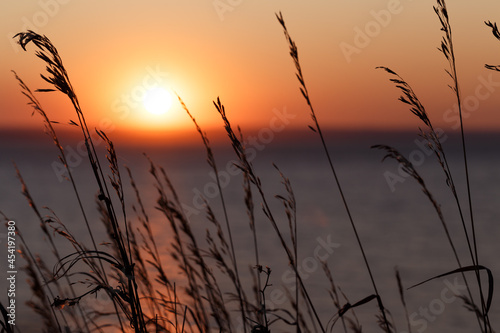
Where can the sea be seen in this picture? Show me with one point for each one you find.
(397, 224)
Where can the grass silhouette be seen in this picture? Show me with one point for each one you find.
(129, 269)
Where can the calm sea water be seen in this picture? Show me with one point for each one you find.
(396, 223)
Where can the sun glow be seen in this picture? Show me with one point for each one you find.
(157, 100)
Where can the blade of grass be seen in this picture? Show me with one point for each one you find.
(317, 128)
(449, 52)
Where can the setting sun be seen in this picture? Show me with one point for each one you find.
(157, 100)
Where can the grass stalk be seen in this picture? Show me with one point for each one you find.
(410, 98)
(50, 239)
(448, 51)
(290, 206)
(148, 300)
(247, 167)
(295, 56)
(213, 165)
(60, 80)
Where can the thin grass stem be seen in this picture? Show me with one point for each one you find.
(317, 128)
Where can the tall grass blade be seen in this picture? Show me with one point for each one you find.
(295, 56)
(448, 51)
(471, 268)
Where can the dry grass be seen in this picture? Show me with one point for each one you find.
(131, 271)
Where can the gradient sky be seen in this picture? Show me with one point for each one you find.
(235, 49)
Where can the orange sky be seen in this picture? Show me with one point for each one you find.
(235, 49)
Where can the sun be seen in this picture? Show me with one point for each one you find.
(157, 100)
